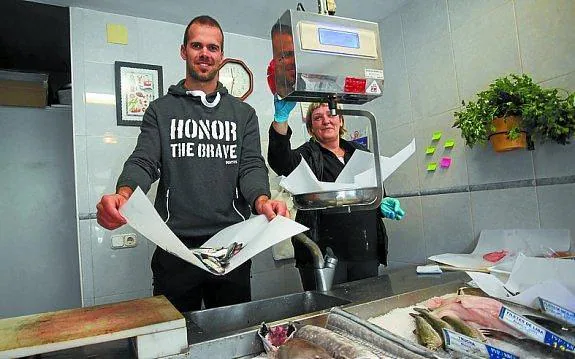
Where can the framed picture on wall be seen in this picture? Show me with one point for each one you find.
(136, 86)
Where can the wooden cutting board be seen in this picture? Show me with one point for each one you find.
(45, 332)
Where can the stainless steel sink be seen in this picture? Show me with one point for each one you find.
(218, 322)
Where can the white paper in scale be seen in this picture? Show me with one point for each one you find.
(359, 172)
(257, 233)
(548, 278)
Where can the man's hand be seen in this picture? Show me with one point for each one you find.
(108, 214)
(271, 208)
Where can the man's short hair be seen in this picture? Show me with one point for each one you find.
(204, 20)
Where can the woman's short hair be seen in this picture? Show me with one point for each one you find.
(315, 105)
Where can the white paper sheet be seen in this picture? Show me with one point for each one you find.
(257, 233)
(531, 242)
(359, 172)
(548, 278)
(529, 271)
(365, 173)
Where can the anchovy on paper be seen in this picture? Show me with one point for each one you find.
(223, 252)
(217, 259)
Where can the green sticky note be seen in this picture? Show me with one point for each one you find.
(449, 143)
(436, 135)
(430, 150)
(432, 166)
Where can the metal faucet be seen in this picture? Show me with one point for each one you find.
(323, 267)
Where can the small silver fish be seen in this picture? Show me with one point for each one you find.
(213, 265)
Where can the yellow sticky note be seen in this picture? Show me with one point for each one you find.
(430, 150)
(436, 135)
(432, 166)
(117, 34)
(449, 143)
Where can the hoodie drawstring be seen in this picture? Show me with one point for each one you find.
(167, 205)
(234, 205)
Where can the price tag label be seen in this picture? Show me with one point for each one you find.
(534, 330)
(473, 348)
(556, 311)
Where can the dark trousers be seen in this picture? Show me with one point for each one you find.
(185, 285)
(345, 271)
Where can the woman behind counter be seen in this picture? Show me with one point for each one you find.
(358, 239)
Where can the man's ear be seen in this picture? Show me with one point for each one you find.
(183, 54)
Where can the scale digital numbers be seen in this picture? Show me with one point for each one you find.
(533, 330)
(471, 347)
(557, 311)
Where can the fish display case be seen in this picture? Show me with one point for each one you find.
(475, 314)
(374, 312)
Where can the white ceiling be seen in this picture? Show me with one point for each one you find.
(247, 17)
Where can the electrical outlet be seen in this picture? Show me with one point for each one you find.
(130, 240)
(127, 240)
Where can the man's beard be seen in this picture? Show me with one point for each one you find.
(202, 77)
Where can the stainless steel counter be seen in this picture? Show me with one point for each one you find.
(398, 282)
(242, 342)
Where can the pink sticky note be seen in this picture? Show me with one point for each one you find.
(445, 162)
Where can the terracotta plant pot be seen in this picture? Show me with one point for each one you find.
(500, 140)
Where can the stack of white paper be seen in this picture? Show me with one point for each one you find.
(531, 242)
(548, 278)
(528, 277)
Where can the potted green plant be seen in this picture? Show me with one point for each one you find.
(514, 110)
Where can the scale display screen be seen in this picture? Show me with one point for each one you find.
(338, 38)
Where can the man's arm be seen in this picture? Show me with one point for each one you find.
(141, 169)
(253, 174)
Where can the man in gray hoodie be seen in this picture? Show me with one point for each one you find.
(203, 145)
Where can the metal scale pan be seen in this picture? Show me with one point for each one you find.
(347, 200)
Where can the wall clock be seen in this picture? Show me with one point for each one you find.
(237, 77)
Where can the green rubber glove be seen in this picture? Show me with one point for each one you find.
(391, 208)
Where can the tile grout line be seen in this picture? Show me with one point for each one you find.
(411, 123)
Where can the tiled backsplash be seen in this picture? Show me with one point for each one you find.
(462, 46)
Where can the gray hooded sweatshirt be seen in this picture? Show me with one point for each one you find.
(208, 161)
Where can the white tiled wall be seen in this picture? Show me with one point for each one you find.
(473, 43)
(102, 147)
(449, 50)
